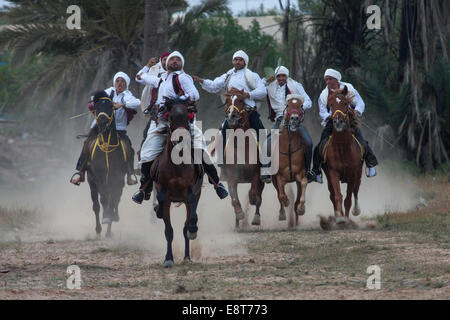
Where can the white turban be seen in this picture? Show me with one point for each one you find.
(122, 75)
(282, 70)
(241, 54)
(333, 73)
(175, 54)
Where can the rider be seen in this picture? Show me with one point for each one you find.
(125, 105)
(333, 81)
(277, 92)
(176, 84)
(240, 77)
(150, 93)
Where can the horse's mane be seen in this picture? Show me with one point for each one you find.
(172, 102)
(99, 94)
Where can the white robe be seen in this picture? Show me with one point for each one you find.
(357, 101)
(241, 79)
(120, 115)
(154, 144)
(277, 95)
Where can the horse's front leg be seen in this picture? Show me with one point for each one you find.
(335, 189)
(302, 184)
(192, 216)
(356, 209)
(348, 198)
(254, 195)
(96, 208)
(168, 262)
(282, 197)
(235, 201)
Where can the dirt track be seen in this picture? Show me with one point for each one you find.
(413, 251)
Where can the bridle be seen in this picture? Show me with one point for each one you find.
(243, 114)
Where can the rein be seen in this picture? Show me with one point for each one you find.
(105, 146)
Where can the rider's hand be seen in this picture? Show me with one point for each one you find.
(246, 95)
(197, 79)
(152, 62)
(270, 79)
(139, 76)
(118, 105)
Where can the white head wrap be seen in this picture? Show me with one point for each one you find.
(281, 70)
(122, 75)
(241, 54)
(333, 73)
(175, 54)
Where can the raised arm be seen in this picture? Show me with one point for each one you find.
(213, 86)
(190, 91)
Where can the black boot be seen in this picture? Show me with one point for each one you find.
(316, 166)
(210, 169)
(146, 187)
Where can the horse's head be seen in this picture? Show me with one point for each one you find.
(339, 103)
(103, 111)
(294, 113)
(178, 115)
(235, 103)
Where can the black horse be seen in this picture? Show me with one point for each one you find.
(107, 164)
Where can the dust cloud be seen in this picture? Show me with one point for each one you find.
(66, 213)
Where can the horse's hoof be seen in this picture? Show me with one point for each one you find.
(109, 236)
(240, 215)
(301, 210)
(356, 212)
(106, 221)
(282, 216)
(340, 220)
(191, 236)
(168, 264)
(256, 220)
(187, 260)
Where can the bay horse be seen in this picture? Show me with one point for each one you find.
(291, 158)
(107, 164)
(343, 159)
(179, 183)
(249, 171)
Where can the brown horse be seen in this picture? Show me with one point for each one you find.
(241, 161)
(179, 183)
(291, 153)
(107, 165)
(343, 158)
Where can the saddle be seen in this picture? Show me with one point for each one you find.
(323, 146)
(155, 166)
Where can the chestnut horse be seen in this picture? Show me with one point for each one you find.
(343, 160)
(291, 152)
(107, 164)
(247, 170)
(179, 183)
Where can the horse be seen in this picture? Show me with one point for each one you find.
(343, 159)
(291, 153)
(107, 164)
(179, 183)
(249, 171)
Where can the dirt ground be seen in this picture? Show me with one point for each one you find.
(410, 243)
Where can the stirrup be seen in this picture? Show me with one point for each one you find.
(79, 181)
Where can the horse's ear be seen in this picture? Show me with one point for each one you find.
(345, 91)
